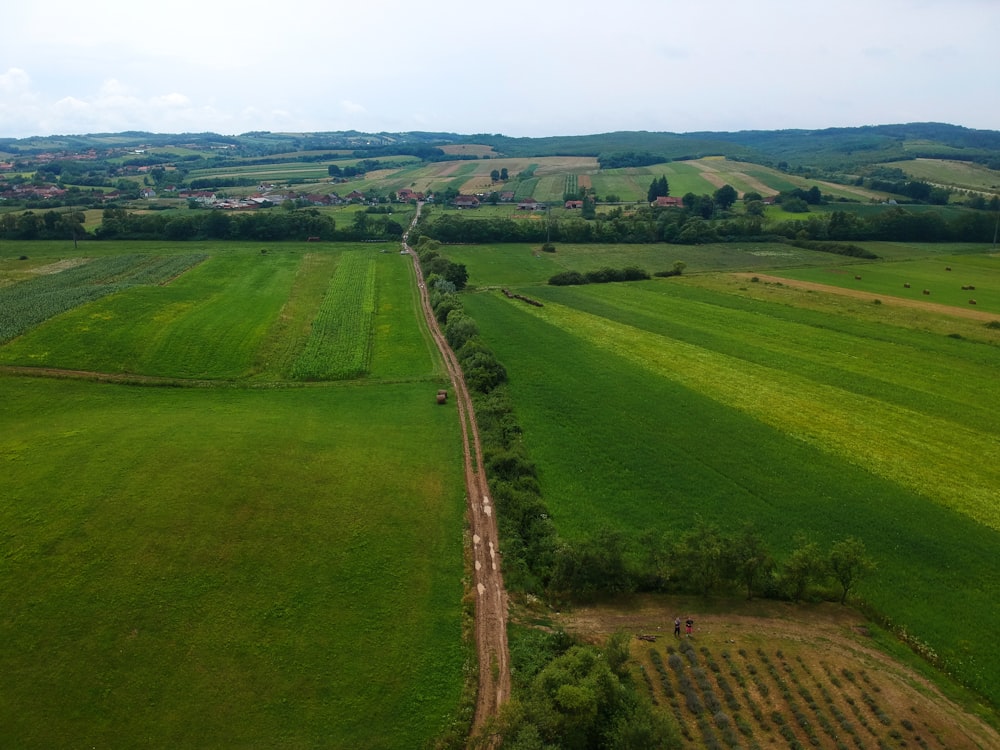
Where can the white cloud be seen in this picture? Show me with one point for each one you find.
(568, 66)
(352, 108)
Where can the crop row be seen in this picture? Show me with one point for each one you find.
(741, 700)
(340, 342)
(30, 303)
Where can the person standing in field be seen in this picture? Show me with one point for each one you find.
(689, 624)
(677, 627)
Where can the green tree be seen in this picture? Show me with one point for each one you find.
(749, 558)
(795, 206)
(725, 197)
(803, 567)
(699, 557)
(495, 175)
(849, 562)
(503, 174)
(459, 329)
(457, 274)
(659, 187)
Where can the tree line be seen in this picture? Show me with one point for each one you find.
(277, 224)
(701, 220)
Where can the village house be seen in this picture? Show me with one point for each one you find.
(406, 195)
(465, 201)
(574, 204)
(530, 204)
(668, 201)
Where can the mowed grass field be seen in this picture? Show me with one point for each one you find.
(649, 405)
(254, 561)
(942, 276)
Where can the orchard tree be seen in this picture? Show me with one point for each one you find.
(495, 175)
(849, 562)
(803, 567)
(749, 559)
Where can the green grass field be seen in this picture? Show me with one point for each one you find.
(649, 405)
(945, 286)
(492, 265)
(239, 563)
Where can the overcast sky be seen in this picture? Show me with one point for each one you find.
(549, 67)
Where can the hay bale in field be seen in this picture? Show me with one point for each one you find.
(906, 286)
(927, 291)
(857, 278)
(972, 302)
(442, 396)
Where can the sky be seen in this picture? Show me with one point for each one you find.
(550, 67)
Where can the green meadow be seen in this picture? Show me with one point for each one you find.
(514, 263)
(650, 405)
(247, 561)
(943, 276)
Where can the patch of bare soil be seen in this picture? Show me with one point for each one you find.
(58, 266)
(710, 173)
(959, 312)
(768, 671)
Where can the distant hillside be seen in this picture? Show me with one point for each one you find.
(832, 149)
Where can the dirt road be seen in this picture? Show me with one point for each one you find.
(491, 598)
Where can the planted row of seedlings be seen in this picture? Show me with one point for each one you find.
(742, 701)
(340, 341)
(29, 303)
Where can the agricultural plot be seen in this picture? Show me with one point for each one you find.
(961, 174)
(754, 684)
(26, 304)
(649, 405)
(241, 316)
(947, 281)
(339, 345)
(223, 567)
(527, 264)
(231, 566)
(206, 324)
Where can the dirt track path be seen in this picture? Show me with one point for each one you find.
(491, 597)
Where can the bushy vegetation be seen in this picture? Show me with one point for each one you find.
(579, 697)
(600, 276)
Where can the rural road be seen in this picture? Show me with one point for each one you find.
(491, 597)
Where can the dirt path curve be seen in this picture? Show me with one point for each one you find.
(958, 312)
(491, 597)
